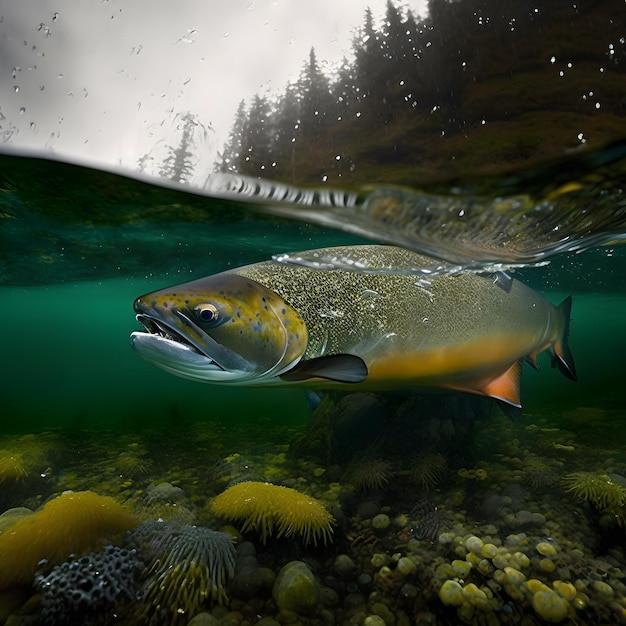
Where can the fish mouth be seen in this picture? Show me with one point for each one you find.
(152, 326)
(161, 331)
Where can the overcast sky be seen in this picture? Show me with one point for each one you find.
(105, 80)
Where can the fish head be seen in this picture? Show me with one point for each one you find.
(222, 328)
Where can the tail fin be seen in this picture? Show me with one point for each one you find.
(563, 358)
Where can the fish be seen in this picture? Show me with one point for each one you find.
(272, 323)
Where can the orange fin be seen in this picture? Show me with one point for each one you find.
(506, 386)
(563, 358)
(531, 359)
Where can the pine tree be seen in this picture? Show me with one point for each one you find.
(230, 160)
(315, 101)
(179, 163)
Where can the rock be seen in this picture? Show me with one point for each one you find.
(344, 566)
(247, 582)
(296, 589)
(204, 619)
(381, 522)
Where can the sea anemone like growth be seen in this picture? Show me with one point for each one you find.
(72, 523)
(269, 509)
(132, 466)
(369, 474)
(598, 489)
(12, 468)
(188, 567)
(428, 471)
(538, 476)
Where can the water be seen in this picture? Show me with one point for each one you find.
(500, 161)
(94, 408)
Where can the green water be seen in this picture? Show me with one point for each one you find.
(82, 411)
(69, 364)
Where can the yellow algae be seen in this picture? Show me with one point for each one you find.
(270, 509)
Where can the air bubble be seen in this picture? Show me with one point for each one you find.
(22, 110)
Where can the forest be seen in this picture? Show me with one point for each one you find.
(472, 85)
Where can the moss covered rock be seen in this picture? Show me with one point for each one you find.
(296, 589)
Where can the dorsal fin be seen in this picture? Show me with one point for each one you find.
(343, 368)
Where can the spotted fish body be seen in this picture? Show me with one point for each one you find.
(291, 324)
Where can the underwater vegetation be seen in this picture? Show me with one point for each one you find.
(370, 474)
(539, 476)
(428, 471)
(12, 468)
(272, 510)
(72, 523)
(132, 465)
(89, 589)
(600, 490)
(187, 568)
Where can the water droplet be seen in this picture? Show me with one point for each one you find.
(33, 126)
(59, 75)
(16, 88)
(22, 110)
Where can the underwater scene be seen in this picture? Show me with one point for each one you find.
(352, 356)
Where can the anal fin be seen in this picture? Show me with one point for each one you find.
(506, 386)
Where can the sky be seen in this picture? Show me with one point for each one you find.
(108, 81)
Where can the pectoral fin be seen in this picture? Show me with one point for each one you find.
(343, 368)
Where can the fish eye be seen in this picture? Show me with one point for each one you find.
(206, 312)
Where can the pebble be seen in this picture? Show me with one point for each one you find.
(204, 619)
(381, 522)
(373, 620)
(296, 589)
(344, 566)
(546, 549)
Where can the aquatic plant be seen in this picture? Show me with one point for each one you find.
(369, 474)
(599, 490)
(89, 589)
(273, 510)
(132, 466)
(537, 476)
(72, 523)
(188, 567)
(428, 470)
(12, 468)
